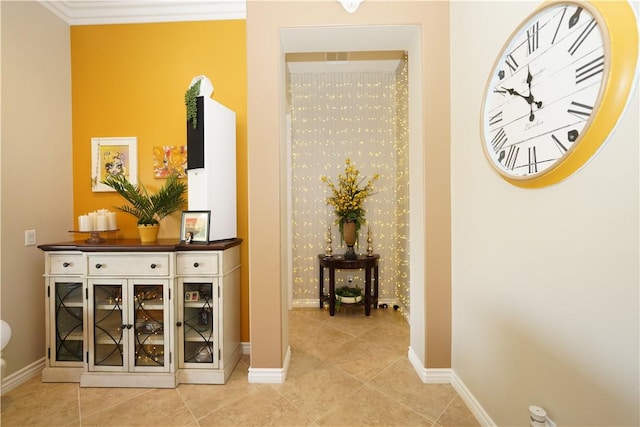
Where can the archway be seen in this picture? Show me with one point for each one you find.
(374, 38)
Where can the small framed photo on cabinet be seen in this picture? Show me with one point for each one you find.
(194, 227)
(191, 296)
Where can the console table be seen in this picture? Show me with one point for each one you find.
(338, 262)
(121, 313)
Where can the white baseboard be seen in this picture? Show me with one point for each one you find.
(448, 376)
(23, 375)
(314, 303)
(270, 375)
(472, 403)
(246, 347)
(305, 303)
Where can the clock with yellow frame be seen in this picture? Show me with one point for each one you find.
(558, 88)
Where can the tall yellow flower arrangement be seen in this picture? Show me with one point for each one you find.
(348, 196)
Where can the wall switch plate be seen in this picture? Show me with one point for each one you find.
(29, 237)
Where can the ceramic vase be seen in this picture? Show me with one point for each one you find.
(349, 236)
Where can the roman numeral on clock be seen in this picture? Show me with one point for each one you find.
(583, 36)
(532, 38)
(498, 140)
(559, 25)
(495, 119)
(511, 63)
(579, 110)
(512, 156)
(559, 144)
(533, 162)
(590, 69)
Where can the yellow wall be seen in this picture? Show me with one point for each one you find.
(130, 80)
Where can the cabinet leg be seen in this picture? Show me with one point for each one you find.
(332, 291)
(321, 286)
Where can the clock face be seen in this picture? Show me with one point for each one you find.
(544, 90)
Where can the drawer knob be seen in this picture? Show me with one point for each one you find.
(179, 324)
(66, 264)
(98, 266)
(195, 264)
(153, 266)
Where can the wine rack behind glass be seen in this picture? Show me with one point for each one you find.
(108, 325)
(149, 325)
(199, 323)
(69, 322)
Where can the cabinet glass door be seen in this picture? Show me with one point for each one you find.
(108, 325)
(149, 314)
(199, 332)
(69, 346)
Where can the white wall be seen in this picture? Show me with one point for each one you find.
(36, 171)
(545, 282)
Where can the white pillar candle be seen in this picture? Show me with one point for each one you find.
(111, 218)
(101, 222)
(93, 221)
(83, 223)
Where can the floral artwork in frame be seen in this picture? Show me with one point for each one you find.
(169, 160)
(113, 156)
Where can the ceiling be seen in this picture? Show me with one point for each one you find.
(136, 11)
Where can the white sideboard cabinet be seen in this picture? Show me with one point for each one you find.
(122, 314)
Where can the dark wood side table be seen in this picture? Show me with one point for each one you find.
(337, 262)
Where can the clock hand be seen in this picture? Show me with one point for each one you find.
(513, 92)
(530, 99)
(575, 17)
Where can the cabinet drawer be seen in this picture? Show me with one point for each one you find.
(66, 264)
(129, 265)
(198, 264)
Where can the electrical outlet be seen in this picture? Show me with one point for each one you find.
(350, 278)
(29, 237)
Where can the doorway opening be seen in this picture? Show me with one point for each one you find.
(349, 106)
(370, 39)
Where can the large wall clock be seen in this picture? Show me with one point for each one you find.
(558, 88)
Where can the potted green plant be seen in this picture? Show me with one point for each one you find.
(190, 101)
(149, 208)
(348, 295)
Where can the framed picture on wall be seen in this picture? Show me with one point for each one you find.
(113, 156)
(194, 227)
(169, 160)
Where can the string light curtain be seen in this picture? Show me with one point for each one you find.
(401, 258)
(335, 116)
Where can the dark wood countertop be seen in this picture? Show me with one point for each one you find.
(134, 245)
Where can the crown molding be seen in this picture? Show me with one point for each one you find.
(136, 12)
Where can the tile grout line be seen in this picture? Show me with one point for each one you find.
(184, 402)
(400, 403)
(446, 408)
(79, 406)
(146, 390)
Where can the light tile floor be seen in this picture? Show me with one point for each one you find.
(346, 370)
